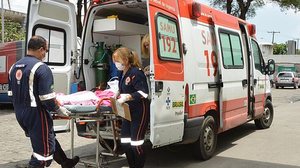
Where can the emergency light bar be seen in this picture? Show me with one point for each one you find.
(252, 29)
(196, 10)
(122, 2)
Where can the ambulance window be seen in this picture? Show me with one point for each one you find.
(257, 56)
(236, 50)
(168, 38)
(231, 51)
(56, 42)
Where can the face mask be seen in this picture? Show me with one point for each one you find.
(119, 66)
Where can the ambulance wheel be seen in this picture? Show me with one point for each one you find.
(267, 118)
(205, 146)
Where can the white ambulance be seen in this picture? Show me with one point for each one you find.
(207, 73)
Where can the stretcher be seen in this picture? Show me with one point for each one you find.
(97, 114)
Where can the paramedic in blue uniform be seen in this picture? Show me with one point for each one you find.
(31, 88)
(133, 90)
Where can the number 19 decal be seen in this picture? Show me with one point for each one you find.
(213, 61)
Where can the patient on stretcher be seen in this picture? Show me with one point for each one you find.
(85, 98)
(88, 100)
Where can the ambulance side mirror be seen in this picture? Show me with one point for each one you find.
(270, 67)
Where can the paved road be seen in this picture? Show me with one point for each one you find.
(242, 147)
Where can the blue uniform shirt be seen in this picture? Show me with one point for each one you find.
(134, 83)
(32, 92)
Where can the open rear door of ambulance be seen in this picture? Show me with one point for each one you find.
(55, 20)
(166, 74)
(233, 83)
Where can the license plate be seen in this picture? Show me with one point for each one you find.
(3, 87)
(284, 80)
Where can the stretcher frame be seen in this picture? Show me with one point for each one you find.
(96, 116)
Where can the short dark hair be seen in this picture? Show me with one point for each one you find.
(36, 42)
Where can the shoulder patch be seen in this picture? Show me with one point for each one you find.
(19, 74)
(127, 81)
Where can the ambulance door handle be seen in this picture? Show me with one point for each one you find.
(255, 81)
(159, 86)
(215, 85)
(244, 82)
(184, 48)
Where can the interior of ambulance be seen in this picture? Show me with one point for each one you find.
(110, 27)
(107, 28)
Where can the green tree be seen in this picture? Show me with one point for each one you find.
(79, 4)
(239, 8)
(279, 49)
(288, 4)
(78, 18)
(13, 31)
(247, 8)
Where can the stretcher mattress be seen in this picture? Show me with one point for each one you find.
(87, 108)
(81, 108)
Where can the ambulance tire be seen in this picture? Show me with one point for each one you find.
(205, 146)
(267, 118)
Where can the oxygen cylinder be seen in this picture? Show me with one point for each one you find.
(101, 65)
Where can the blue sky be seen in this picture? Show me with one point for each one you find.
(271, 18)
(268, 18)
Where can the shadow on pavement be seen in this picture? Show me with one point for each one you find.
(184, 161)
(226, 139)
(6, 107)
(182, 155)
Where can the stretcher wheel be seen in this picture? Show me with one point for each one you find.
(110, 143)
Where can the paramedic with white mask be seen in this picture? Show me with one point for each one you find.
(133, 90)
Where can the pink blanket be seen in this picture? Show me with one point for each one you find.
(103, 95)
(85, 98)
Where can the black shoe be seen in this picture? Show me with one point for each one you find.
(70, 163)
(22, 166)
(26, 166)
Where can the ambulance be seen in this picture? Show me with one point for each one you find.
(10, 52)
(207, 73)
